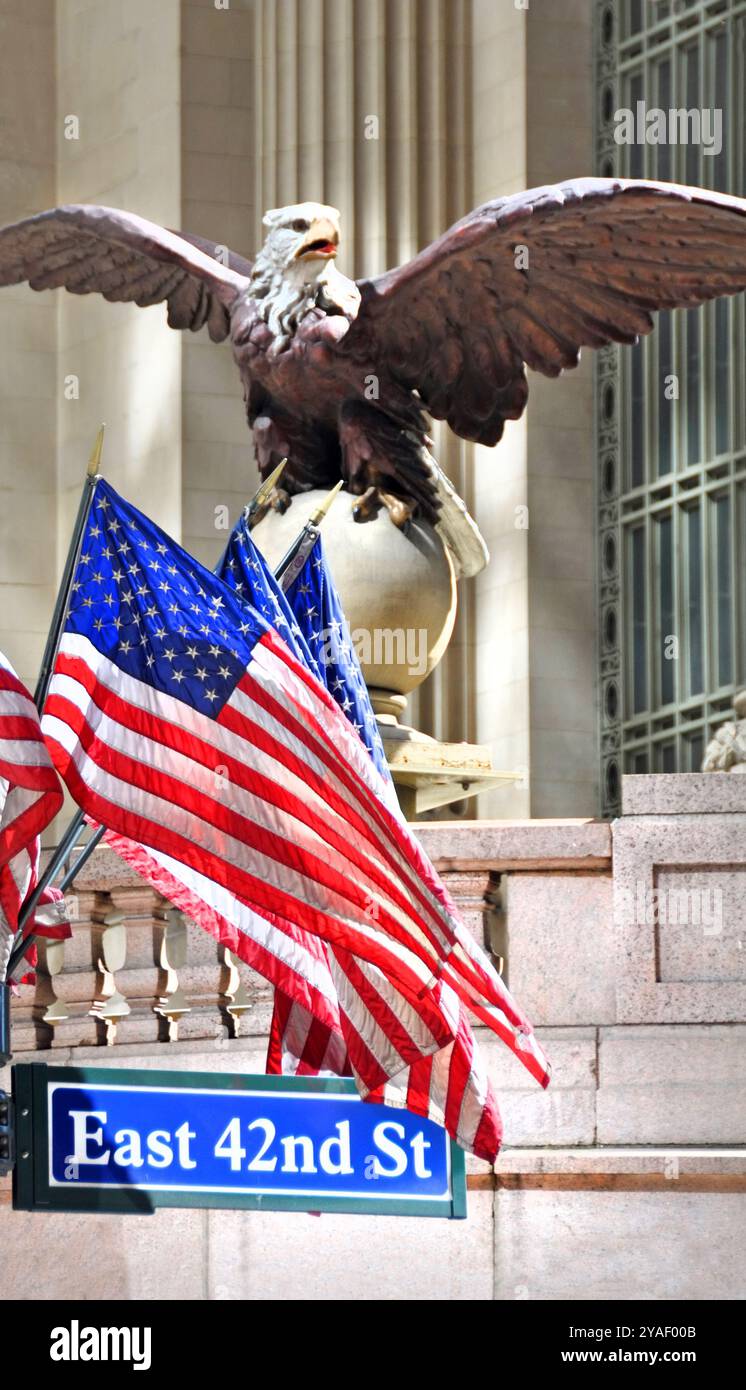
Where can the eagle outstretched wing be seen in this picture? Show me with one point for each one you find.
(125, 258)
(530, 279)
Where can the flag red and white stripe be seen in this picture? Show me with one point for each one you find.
(449, 1086)
(304, 840)
(30, 797)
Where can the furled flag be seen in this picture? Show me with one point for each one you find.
(244, 569)
(449, 1086)
(318, 611)
(182, 721)
(30, 797)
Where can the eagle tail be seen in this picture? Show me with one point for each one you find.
(457, 528)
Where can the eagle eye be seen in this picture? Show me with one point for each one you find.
(300, 225)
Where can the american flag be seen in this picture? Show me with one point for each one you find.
(450, 1086)
(30, 797)
(181, 720)
(315, 602)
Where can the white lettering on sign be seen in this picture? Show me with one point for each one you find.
(340, 1147)
(259, 1163)
(267, 1151)
(89, 1148)
(82, 1136)
(391, 1149)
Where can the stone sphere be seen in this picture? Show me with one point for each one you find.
(398, 589)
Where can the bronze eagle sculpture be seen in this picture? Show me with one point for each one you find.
(340, 375)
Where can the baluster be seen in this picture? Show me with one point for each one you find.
(172, 1003)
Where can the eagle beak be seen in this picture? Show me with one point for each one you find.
(321, 241)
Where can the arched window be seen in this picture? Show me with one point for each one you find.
(671, 413)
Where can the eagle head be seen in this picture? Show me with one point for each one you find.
(303, 238)
(295, 272)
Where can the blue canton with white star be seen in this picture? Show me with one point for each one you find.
(244, 569)
(155, 611)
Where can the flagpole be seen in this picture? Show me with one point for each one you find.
(287, 570)
(67, 844)
(293, 561)
(262, 495)
(59, 618)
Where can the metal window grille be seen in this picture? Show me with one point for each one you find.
(671, 415)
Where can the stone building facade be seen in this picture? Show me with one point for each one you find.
(627, 1177)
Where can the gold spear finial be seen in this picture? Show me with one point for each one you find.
(318, 516)
(94, 461)
(262, 495)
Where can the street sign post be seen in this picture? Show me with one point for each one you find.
(105, 1140)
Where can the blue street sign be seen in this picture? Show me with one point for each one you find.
(110, 1140)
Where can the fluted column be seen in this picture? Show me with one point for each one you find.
(365, 104)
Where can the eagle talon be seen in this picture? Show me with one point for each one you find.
(368, 506)
(400, 511)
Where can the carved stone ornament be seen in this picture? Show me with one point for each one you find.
(726, 752)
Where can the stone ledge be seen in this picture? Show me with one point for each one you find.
(516, 845)
(683, 794)
(452, 845)
(610, 1159)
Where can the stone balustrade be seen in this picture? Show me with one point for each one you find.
(624, 943)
